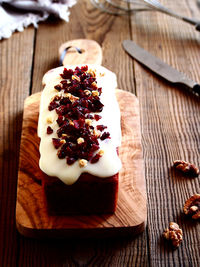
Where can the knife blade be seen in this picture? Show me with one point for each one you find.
(159, 67)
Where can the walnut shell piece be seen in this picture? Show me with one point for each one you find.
(174, 234)
(186, 167)
(82, 162)
(192, 206)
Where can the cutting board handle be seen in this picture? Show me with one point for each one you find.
(80, 51)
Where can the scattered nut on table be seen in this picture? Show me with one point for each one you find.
(192, 206)
(174, 234)
(186, 167)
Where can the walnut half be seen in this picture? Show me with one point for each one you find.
(186, 167)
(192, 206)
(173, 233)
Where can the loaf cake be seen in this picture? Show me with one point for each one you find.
(79, 130)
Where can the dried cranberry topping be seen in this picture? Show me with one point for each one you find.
(49, 130)
(70, 161)
(101, 127)
(54, 103)
(58, 87)
(61, 154)
(84, 68)
(60, 120)
(56, 142)
(95, 158)
(105, 135)
(77, 138)
(89, 116)
(97, 117)
(67, 74)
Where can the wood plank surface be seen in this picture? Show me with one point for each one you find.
(170, 130)
(169, 123)
(15, 76)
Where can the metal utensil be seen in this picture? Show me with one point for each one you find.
(121, 7)
(159, 67)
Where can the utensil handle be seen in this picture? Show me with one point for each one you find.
(196, 89)
(83, 51)
(191, 85)
(192, 21)
(197, 27)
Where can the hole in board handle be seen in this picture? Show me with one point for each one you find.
(64, 52)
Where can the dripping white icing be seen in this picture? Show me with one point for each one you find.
(109, 164)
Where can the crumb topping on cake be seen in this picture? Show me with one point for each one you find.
(80, 98)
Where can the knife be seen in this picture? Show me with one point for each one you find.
(159, 67)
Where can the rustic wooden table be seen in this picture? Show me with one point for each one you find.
(169, 122)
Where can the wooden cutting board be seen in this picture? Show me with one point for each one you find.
(32, 218)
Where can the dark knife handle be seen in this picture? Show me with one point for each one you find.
(197, 27)
(196, 89)
(192, 21)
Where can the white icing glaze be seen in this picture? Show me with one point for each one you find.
(109, 164)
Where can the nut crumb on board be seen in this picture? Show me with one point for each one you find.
(186, 167)
(174, 234)
(192, 206)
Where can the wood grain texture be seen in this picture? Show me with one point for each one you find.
(130, 216)
(91, 52)
(15, 69)
(170, 130)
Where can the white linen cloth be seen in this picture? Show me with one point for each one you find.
(15, 15)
